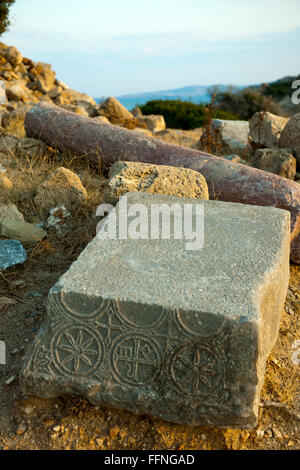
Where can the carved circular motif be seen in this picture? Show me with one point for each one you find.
(83, 308)
(200, 324)
(77, 350)
(135, 359)
(140, 316)
(196, 368)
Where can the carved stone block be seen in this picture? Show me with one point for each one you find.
(150, 327)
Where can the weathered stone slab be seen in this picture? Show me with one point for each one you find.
(147, 326)
(12, 253)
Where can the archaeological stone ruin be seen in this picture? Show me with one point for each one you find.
(148, 326)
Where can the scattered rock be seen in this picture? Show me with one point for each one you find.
(154, 123)
(10, 380)
(55, 92)
(62, 85)
(22, 231)
(5, 183)
(57, 219)
(72, 97)
(8, 144)
(89, 107)
(265, 129)
(277, 434)
(25, 81)
(16, 91)
(290, 311)
(76, 109)
(115, 112)
(290, 136)
(180, 137)
(63, 188)
(21, 429)
(13, 122)
(127, 177)
(12, 253)
(225, 137)
(29, 410)
(278, 161)
(236, 440)
(42, 77)
(12, 55)
(32, 148)
(10, 211)
(235, 159)
(102, 119)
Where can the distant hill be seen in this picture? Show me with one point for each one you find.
(279, 90)
(195, 93)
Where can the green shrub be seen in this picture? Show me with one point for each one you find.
(4, 12)
(245, 103)
(280, 89)
(183, 114)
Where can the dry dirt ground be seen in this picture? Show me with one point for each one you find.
(68, 423)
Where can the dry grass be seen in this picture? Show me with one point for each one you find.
(28, 173)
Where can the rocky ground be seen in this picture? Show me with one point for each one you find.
(35, 179)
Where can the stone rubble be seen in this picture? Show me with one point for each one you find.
(278, 161)
(127, 177)
(12, 253)
(265, 129)
(290, 136)
(22, 231)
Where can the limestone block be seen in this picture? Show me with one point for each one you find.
(153, 328)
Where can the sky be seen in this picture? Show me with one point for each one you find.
(118, 47)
